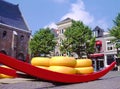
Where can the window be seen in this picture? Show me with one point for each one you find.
(110, 46)
(21, 37)
(62, 31)
(61, 42)
(99, 33)
(4, 34)
(3, 52)
(21, 57)
(94, 34)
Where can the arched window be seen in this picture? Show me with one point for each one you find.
(21, 57)
(21, 37)
(4, 34)
(3, 52)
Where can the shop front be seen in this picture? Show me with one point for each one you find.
(98, 61)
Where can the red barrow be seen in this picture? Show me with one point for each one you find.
(46, 74)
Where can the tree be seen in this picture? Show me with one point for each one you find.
(115, 31)
(43, 42)
(79, 39)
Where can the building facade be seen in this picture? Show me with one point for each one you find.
(60, 33)
(105, 49)
(14, 33)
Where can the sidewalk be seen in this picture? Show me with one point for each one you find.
(109, 81)
(14, 80)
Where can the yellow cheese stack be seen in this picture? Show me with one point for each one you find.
(63, 64)
(43, 67)
(62, 69)
(3, 75)
(40, 62)
(84, 66)
(63, 61)
(66, 65)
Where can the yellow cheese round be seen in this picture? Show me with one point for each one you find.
(83, 63)
(40, 61)
(43, 67)
(63, 61)
(62, 69)
(85, 70)
(3, 75)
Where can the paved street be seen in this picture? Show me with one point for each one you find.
(109, 81)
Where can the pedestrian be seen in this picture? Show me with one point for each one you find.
(117, 62)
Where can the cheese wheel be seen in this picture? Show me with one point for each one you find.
(43, 67)
(40, 61)
(63, 61)
(85, 70)
(83, 63)
(4, 75)
(62, 69)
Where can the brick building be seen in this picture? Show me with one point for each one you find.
(14, 33)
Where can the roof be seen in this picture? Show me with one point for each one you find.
(10, 15)
(64, 21)
(98, 28)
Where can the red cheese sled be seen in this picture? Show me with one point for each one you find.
(46, 74)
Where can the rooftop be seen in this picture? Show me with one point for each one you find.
(10, 15)
(64, 21)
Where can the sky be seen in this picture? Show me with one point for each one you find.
(46, 13)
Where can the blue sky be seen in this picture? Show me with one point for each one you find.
(45, 13)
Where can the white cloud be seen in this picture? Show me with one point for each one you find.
(51, 25)
(78, 12)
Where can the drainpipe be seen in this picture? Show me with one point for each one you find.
(12, 46)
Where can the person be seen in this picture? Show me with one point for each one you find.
(117, 62)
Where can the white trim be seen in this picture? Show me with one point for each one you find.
(105, 61)
(15, 28)
(110, 45)
(15, 33)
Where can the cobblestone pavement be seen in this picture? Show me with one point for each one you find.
(109, 81)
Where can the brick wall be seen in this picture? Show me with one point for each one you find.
(15, 45)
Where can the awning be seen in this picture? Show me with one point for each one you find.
(98, 42)
(96, 55)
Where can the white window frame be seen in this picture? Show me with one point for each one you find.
(111, 45)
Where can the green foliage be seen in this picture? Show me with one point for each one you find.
(90, 46)
(117, 20)
(78, 39)
(115, 31)
(43, 42)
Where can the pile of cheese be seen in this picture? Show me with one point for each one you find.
(61, 64)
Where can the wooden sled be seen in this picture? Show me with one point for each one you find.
(49, 75)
